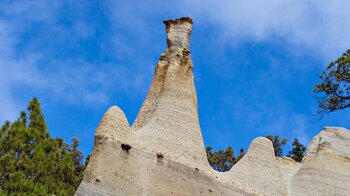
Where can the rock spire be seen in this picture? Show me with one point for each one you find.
(168, 120)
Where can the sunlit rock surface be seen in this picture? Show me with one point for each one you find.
(326, 167)
(163, 152)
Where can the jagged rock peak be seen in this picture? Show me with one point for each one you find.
(179, 32)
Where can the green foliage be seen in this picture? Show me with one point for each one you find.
(333, 92)
(19, 185)
(223, 160)
(33, 163)
(277, 144)
(297, 152)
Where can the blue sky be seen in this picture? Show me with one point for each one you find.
(255, 63)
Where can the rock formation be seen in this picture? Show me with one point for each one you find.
(326, 166)
(163, 152)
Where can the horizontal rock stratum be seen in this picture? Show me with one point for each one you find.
(163, 152)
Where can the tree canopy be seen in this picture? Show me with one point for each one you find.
(297, 152)
(223, 160)
(333, 92)
(33, 163)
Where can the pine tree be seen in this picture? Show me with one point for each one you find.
(37, 121)
(33, 163)
(333, 92)
(221, 160)
(297, 152)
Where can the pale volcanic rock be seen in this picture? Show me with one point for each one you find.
(326, 166)
(288, 167)
(114, 125)
(178, 32)
(163, 152)
(337, 138)
(258, 172)
(172, 127)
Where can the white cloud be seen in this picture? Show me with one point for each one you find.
(318, 26)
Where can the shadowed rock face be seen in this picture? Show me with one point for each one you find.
(163, 152)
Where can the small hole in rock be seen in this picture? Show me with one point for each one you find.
(160, 156)
(126, 147)
(197, 169)
(210, 190)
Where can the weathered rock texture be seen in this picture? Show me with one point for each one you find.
(326, 166)
(258, 172)
(163, 152)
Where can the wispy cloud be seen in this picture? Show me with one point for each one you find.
(31, 33)
(319, 27)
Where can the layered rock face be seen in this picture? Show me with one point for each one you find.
(326, 166)
(163, 152)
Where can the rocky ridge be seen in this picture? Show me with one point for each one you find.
(163, 153)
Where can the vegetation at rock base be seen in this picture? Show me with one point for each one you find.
(333, 92)
(34, 163)
(223, 160)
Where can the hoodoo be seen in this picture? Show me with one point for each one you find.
(163, 153)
